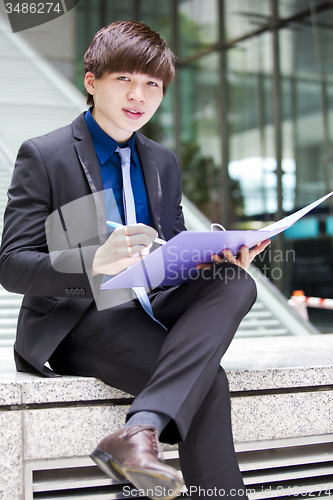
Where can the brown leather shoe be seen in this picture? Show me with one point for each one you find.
(134, 453)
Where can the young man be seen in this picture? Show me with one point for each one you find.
(166, 352)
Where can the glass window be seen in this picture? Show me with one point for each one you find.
(201, 138)
(245, 16)
(306, 53)
(158, 16)
(310, 108)
(198, 27)
(288, 8)
(117, 10)
(252, 154)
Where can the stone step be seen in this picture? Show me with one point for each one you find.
(7, 342)
(262, 333)
(10, 311)
(7, 322)
(10, 303)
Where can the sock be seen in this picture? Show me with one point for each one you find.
(149, 418)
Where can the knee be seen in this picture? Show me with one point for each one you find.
(238, 281)
(219, 394)
(248, 285)
(221, 383)
(231, 283)
(238, 286)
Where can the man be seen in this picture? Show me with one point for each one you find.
(165, 351)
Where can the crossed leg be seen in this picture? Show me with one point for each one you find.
(176, 373)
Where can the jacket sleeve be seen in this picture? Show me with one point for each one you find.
(26, 266)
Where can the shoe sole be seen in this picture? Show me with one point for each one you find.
(106, 464)
(155, 485)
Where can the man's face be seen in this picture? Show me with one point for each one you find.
(123, 102)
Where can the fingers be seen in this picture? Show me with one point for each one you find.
(229, 257)
(245, 256)
(260, 247)
(123, 248)
(203, 266)
(138, 240)
(242, 259)
(135, 229)
(218, 259)
(245, 253)
(132, 240)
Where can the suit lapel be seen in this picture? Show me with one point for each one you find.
(152, 181)
(89, 163)
(86, 151)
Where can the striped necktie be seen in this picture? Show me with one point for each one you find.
(130, 218)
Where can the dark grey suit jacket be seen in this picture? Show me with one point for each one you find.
(50, 172)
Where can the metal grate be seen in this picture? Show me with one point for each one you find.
(298, 467)
(77, 478)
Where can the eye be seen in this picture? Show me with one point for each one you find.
(123, 78)
(153, 84)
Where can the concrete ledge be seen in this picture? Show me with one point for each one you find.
(280, 388)
(269, 363)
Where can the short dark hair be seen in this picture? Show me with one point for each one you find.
(132, 47)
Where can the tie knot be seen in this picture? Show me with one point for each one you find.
(125, 154)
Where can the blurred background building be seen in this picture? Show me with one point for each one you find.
(250, 114)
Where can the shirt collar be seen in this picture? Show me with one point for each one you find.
(104, 144)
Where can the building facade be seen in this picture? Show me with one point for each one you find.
(250, 114)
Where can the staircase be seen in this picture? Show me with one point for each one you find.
(9, 302)
(9, 309)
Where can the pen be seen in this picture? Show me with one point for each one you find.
(115, 225)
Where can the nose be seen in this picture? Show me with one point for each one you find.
(136, 93)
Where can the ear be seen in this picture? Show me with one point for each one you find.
(89, 82)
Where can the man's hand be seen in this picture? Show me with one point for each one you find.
(243, 259)
(123, 249)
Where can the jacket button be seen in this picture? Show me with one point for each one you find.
(83, 292)
(67, 290)
(77, 291)
(72, 291)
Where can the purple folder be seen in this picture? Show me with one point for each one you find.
(176, 261)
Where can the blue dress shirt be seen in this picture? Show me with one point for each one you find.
(110, 165)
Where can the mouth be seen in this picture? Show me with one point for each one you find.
(133, 113)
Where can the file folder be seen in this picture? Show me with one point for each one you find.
(175, 262)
